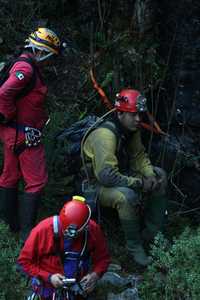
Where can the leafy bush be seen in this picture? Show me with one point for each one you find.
(11, 283)
(174, 273)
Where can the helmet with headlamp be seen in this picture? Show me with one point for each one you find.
(129, 100)
(44, 40)
(74, 216)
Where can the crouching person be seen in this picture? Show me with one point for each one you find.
(65, 255)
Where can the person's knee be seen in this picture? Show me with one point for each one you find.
(36, 187)
(126, 197)
(162, 177)
(9, 182)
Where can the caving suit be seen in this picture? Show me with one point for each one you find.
(29, 163)
(117, 159)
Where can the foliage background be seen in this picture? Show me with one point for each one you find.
(121, 42)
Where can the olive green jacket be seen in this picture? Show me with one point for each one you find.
(100, 148)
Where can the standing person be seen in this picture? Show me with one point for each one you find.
(124, 173)
(22, 118)
(69, 247)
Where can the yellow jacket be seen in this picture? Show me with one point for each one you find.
(100, 147)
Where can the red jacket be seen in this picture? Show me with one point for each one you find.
(37, 258)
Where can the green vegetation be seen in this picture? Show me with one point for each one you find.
(11, 283)
(174, 273)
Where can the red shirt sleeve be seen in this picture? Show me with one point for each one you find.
(20, 75)
(29, 255)
(100, 255)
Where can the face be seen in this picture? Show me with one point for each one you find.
(129, 120)
(50, 61)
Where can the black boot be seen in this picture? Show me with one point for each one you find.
(28, 208)
(133, 241)
(155, 216)
(9, 207)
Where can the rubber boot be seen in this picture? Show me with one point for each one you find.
(133, 240)
(9, 207)
(28, 208)
(155, 216)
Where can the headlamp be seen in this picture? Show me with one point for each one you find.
(121, 98)
(141, 104)
(71, 231)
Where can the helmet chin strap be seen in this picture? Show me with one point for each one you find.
(41, 57)
(40, 53)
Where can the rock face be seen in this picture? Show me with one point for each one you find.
(180, 30)
(180, 105)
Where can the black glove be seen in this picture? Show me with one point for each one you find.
(150, 183)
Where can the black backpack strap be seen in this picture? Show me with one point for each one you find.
(112, 127)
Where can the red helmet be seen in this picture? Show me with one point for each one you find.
(75, 215)
(130, 100)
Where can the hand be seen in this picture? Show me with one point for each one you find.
(89, 282)
(137, 183)
(150, 183)
(56, 280)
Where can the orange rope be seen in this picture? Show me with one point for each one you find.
(153, 123)
(104, 98)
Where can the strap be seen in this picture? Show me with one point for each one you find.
(56, 227)
(112, 127)
(15, 125)
(18, 149)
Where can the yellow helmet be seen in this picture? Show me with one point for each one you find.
(44, 39)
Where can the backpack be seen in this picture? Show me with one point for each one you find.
(69, 140)
(5, 68)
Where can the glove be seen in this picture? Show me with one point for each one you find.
(137, 183)
(150, 183)
(89, 282)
